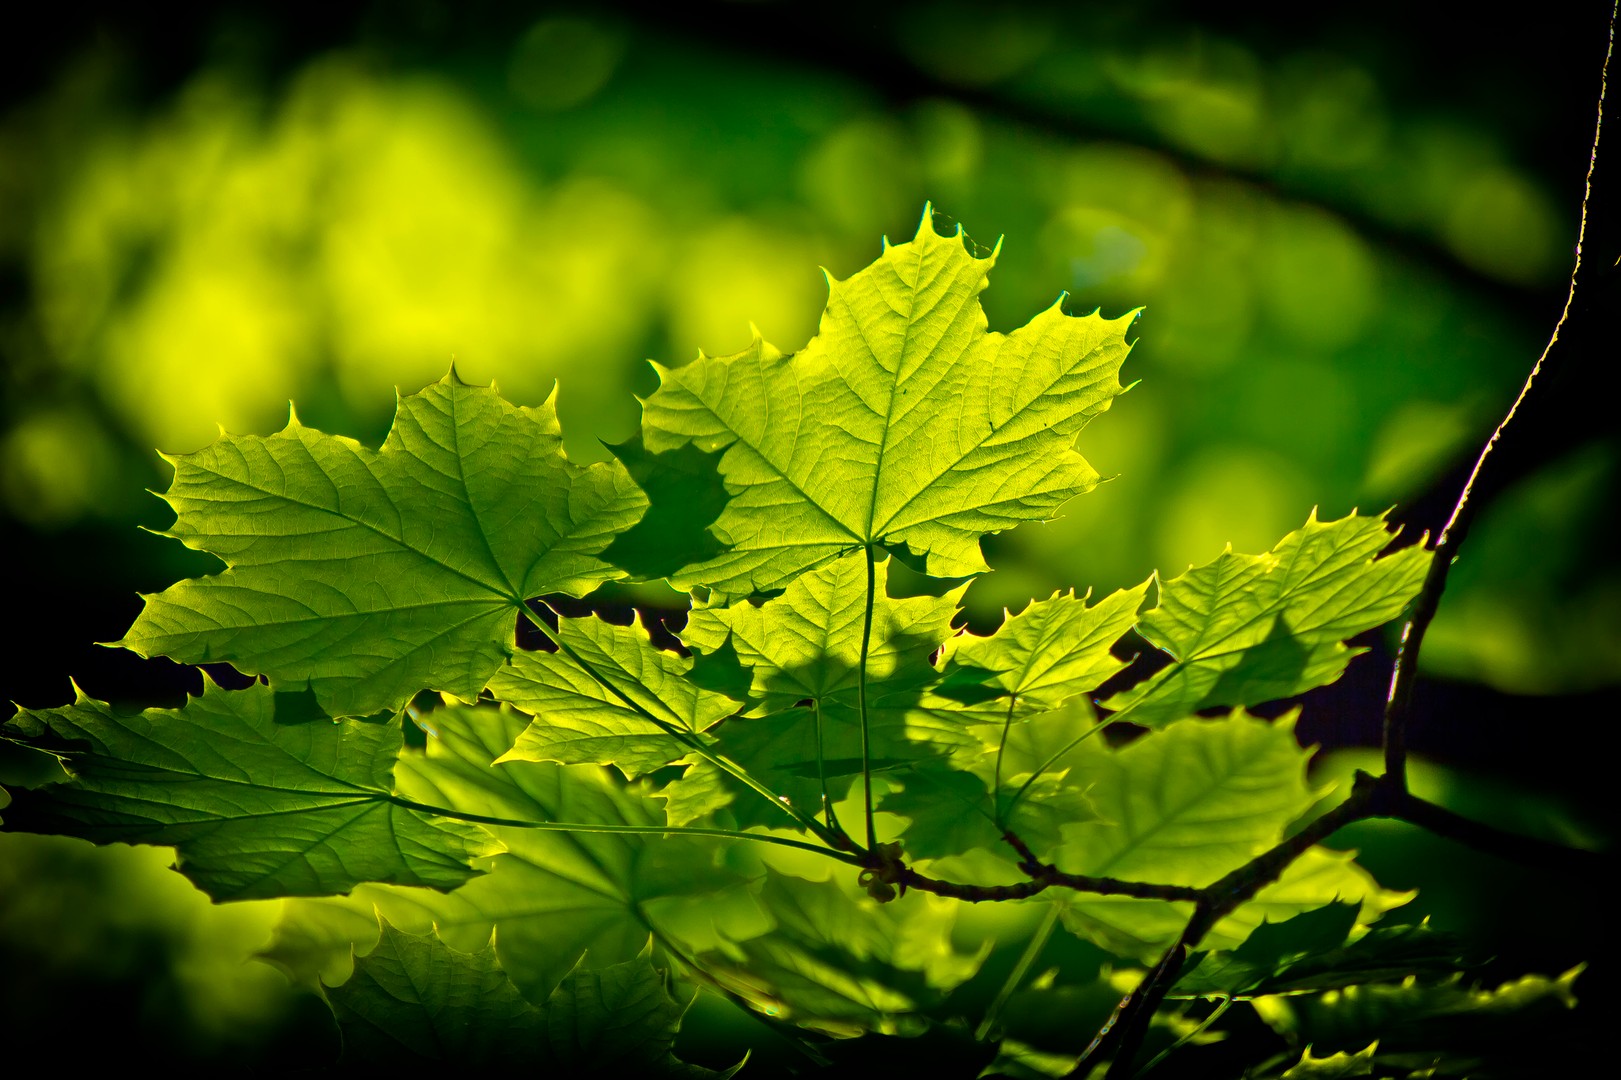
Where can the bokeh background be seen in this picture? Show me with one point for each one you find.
(1350, 230)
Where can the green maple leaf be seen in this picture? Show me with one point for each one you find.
(1038, 660)
(1247, 629)
(839, 962)
(600, 716)
(952, 807)
(414, 1001)
(1021, 688)
(554, 895)
(1340, 1066)
(902, 423)
(254, 806)
(805, 645)
(1184, 806)
(1311, 952)
(1447, 1027)
(369, 575)
(700, 790)
(796, 658)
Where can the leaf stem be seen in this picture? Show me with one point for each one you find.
(1001, 751)
(821, 771)
(1027, 960)
(1215, 1014)
(1055, 757)
(861, 691)
(635, 830)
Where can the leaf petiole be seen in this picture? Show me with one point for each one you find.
(644, 830)
(861, 691)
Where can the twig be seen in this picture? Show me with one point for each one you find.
(1527, 850)
(1371, 797)
(1399, 703)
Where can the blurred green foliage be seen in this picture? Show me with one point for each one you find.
(561, 205)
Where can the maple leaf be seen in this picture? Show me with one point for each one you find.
(1038, 660)
(796, 658)
(255, 805)
(837, 962)
(413, 1001)
(1186, 804)
(1246, 629)
(592, 702)
(903, 422)
(580, 888)
(370, 575)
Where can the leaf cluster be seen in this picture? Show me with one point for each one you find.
(531, 856)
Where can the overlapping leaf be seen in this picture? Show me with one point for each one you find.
(255, 807)
(1186, 805)
(841, 963)
(1247, 629)
(1022, 686)
(903, 422)
(413, 1003)
(556, 894)
(593, 699)
(1321, 950)
(796, 658)
(1038, 660)
(369, 575)
(805, 645)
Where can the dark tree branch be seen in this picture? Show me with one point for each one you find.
(1516, 847)
(1371, 797)
(1555, 355)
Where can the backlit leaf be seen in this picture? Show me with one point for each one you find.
(1246, 629)
(1184, 806)
(902, 422)
(591, 700)
(370, 575)
(414, 1002)
(256, 807)
(1041, 658)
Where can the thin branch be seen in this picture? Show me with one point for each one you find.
(1045, 876)
(1398, 705)
(1122, 1035)
(1517, 847)
(1371, 797)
